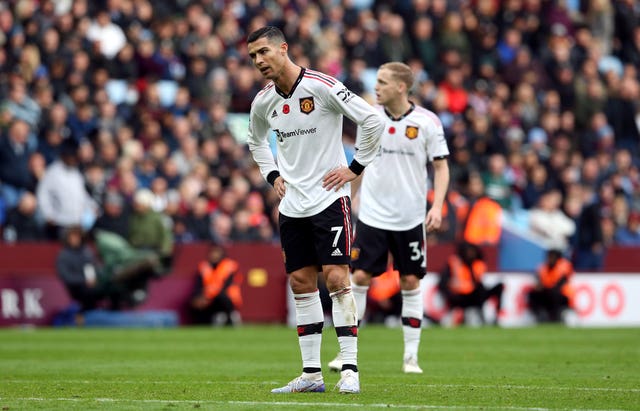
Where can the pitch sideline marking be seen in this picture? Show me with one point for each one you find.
(297, 404)
(507, 386)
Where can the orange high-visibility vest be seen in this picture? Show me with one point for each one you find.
(461, 281)
(484, 222)
(550, 277)
(213, 280)
(385, 286)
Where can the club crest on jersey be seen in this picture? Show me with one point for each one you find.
(307, 105)
(411, 132)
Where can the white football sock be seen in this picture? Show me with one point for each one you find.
(346, 324)
(412, 313)
(309, 319)
(360, 294)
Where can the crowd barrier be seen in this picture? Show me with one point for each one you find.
(32, 294)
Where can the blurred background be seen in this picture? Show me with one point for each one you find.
(125, 121)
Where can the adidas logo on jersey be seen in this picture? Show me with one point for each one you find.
(274, 114)
(336, 253)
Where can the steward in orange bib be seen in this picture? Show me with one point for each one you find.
(553, 293)
(217, 295)
(385, 296)
(461, 280)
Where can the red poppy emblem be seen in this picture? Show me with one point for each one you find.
(285, 109)
(392, 130)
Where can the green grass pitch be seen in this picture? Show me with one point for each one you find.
(541, 368)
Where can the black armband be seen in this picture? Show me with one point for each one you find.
(356, 167)
(271, 178)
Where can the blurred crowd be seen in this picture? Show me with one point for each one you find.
(540, 100)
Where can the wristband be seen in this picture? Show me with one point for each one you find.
(356, 167)
(271, 178)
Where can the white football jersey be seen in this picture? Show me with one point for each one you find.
(393, 194)
(308, 127)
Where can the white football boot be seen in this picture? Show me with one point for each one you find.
(410, 366)
(304, 383)
(349, 382)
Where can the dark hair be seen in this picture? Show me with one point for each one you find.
(69, 147)
(270, 32)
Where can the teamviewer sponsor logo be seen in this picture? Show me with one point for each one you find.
(282, 135)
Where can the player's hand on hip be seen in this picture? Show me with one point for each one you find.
(434, 220)
(338, 177)
(280, 187)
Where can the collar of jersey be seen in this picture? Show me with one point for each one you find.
(295, 85)
(402, 116)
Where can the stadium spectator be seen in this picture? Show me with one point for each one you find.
(496, 185)
(151, 231)
(462, 287)
(63, 200)
(391, 214)
(314, 193)
(79, 269)
(115, 215)
(22, 222)
(589, 248)
(20, 106)
(549, 221)
(198, 219)
(629, 235)
(107, 37)
(553, 293)
(15, 151)
(217, 296)
(221, 228)
(53, 132)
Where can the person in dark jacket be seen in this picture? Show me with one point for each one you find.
(22, 223)
(115, 216)
(15, 177)
(78, 268)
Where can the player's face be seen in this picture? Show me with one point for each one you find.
(268, 57)
(387, 89)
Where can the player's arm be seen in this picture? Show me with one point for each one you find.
(355, 185)
(438, 151)
(257, 140)
(440, 186)
(371, 126)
